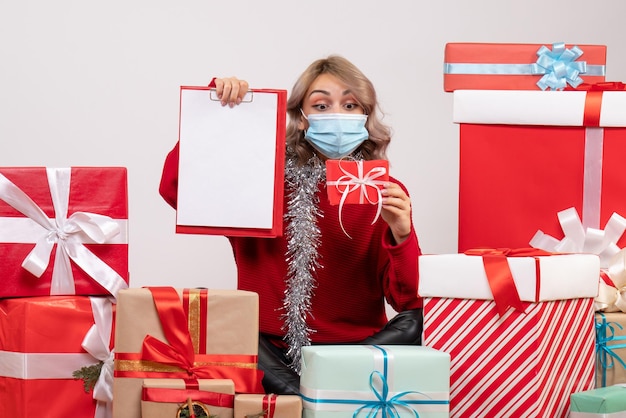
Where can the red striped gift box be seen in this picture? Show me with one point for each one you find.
(523, 362)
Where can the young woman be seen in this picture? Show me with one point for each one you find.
(316, 285)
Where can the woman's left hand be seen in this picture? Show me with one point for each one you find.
(397, 211)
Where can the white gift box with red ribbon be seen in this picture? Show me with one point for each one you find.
(521, 362)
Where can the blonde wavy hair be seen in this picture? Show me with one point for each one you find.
(375, 147)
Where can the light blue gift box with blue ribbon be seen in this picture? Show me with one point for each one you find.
(374, 381)
(608, 402)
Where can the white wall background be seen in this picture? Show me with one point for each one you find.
(97, 83)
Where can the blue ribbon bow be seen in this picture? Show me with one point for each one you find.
(558, 66)
(386, 406)
(606, 355)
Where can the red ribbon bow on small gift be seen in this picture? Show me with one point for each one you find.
(499, 274)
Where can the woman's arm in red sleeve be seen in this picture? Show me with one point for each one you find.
(168, 188)
(401, 275)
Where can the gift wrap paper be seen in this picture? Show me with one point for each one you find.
(356, 182)
(608, 402)
(523, 363)
(611, 348)
(40, 347)
(221, 341)
(526, 156)
(268, 406)
(339, 381)
(97, 246)
(162, 398)
(505, 66)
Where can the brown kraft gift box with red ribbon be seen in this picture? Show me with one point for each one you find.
(164, 398)
(268, 406)
(63, 231)
(545, 163)
(162, 332)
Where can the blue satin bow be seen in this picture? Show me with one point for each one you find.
(386, 406)
(559, 66)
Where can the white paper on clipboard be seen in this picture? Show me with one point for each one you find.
(228, 159)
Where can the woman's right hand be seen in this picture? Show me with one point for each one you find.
(230, 90)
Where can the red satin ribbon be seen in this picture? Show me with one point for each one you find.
(593, 100)
(179, 352)
(499, 274)
(223, 400)
(269, 405)
(606, 279)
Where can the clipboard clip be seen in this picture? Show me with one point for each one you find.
(247, 98)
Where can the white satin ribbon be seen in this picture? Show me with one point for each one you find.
(592, 182)
(349, 183)
(67, 233)
(42, 365)
(96, 343)
(578, 239)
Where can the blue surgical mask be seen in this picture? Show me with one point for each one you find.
(336, 135)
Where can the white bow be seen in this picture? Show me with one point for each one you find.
(96, 343)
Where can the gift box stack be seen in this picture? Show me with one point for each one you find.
(179, 346)
(73, 336)
(540, 134)
(64, 252)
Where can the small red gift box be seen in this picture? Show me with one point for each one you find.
(63, 231)
(531, 160)
(523, 362)
(490, 66)
(357, 182)
(43, 341)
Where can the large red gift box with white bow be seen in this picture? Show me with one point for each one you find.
(63, 231)
(543, 166)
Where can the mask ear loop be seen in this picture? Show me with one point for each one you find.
(305, 118)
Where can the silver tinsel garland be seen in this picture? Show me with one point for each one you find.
(303, 238)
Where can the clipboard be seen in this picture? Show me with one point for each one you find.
(231, 163)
